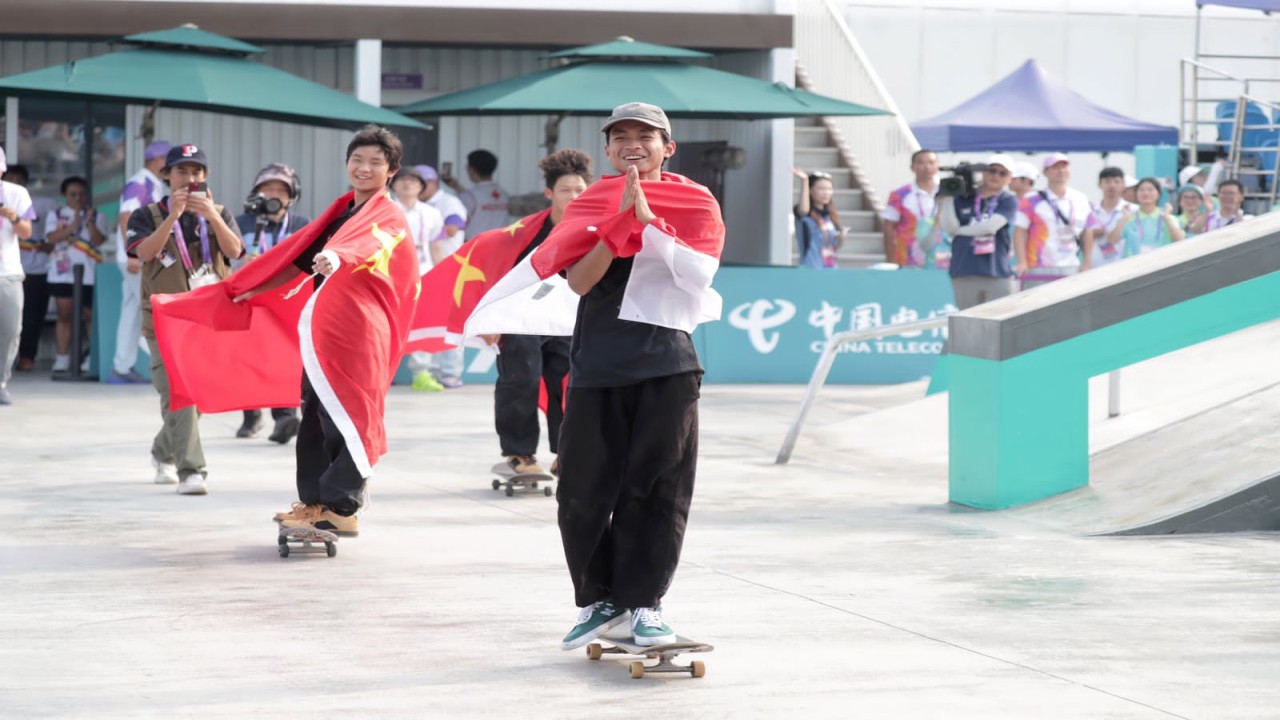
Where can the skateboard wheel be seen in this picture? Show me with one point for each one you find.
(511, 491)
(547, 491)
(595, 651)
(697, 668)
(284, 548)
(330, 549)
(282, 541)
(534, 484)
(497, 485)
(637, 670)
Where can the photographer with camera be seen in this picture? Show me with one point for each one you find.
(267, 219)
(979, 218)
(185, 241)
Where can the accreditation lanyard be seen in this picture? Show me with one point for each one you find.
(1215, 221)
(986, 244)
(182, 242)
(1142, 231)
(280, 233)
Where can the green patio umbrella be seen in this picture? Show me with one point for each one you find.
(186, 67)
(601, 77)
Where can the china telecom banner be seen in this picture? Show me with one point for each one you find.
(777, 320)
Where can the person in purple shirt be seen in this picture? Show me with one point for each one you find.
(142, 189)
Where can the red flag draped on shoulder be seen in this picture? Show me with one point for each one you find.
(451, 289)
(676, 257)
(349, 335)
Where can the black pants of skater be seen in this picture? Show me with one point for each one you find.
(628, 456)
(327, 474)
(523, 361)
(35, 306)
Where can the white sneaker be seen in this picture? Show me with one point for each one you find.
(649, 629)
(166, 473)
(193, 485)
(84, 366)
(61, 363)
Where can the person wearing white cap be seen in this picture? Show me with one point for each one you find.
(1109, 212)
(1055, 228)
(442, 369)
(1206, 177)
(15, 225)
(980, 224)
(141, 189)
(1024, 178)
(268, 219)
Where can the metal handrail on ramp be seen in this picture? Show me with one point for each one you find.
(819, 377)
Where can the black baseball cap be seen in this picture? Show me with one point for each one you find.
(185, 153)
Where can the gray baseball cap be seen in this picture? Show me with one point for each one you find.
(650, 115)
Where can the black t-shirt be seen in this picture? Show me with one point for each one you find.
(609, 352)
(547, 226)
(308, 257)
(141, 225)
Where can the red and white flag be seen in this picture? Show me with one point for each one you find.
(451, 289)
(676, 257)
(349, 335)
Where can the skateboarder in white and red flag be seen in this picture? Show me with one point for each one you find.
(641, 249)
(341, 342)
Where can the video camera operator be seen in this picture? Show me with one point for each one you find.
(267, 219)
(979, 218)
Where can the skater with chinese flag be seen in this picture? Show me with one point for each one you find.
(339, 334)
(531, 367)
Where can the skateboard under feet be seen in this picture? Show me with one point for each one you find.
(306, 541)
(662, 653)
(524, 482)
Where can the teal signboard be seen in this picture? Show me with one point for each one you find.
(777, 320)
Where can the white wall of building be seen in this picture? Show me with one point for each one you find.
(1122, 54)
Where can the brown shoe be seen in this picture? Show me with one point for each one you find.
(320, 518)
(524, 465)
(26, 364)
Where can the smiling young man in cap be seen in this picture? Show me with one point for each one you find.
(629, 438)
(184, 241)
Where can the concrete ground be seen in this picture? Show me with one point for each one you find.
(842, 585)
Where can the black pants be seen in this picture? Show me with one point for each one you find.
(627, 463)
(35, 306)
(523, 362)
(253, 416)
(327, 474)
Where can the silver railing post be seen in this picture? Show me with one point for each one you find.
(1113, 393)
(828, 357)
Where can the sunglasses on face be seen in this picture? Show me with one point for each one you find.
(997, 171)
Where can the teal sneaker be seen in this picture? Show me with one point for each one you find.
(593, 621)
(649, 629)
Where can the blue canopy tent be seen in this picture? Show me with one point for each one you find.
(1030, 111)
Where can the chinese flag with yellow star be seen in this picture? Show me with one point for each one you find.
(349, 335)
(451, 289)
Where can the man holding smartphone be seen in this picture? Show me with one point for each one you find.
(184, 241)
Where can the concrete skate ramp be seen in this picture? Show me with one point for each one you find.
(1218, 471)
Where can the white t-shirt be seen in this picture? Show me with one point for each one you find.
(13, 196)
(427, 225)
(454, 213)
(1108, 219)
(66, 255)
(1050, 242)
(37, 262)
(488, 208)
